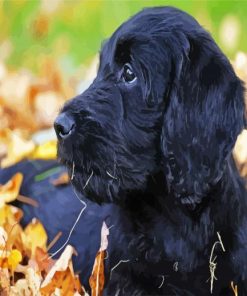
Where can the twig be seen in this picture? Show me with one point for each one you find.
(56, 238)
(212, 263)
(88, 180)
(73, 227)
(162, 282)
(175, 266)
(110, 175)
(73, 171)
(107, 255)
(121, 261)
(234, 288)
(27, 200)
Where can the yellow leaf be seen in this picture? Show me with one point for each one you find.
(17, 147)
(47, 150)
(34, 236)
(10, 190)
(9, 215)
(14, 259)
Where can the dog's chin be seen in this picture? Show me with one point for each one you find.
(91, 184)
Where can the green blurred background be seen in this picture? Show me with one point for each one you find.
(71, 32)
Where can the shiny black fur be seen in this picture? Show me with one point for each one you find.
(160, 150)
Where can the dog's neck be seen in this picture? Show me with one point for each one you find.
(159, 196)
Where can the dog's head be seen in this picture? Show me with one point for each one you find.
(165, 99)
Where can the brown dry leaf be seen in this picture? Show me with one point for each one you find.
(63, 179)
(10, 190)
(62, 280)
(34, 236)
(43, 260)
(29, 286)
(234, 289)
(4, 282)
(97, 278)
(61, 276)
(61, 264)
(3, 237)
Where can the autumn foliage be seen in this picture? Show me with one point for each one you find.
(26, 267)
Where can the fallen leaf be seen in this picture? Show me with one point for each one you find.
(47, 150)
(4, 282)
(10, 190)
(14, 259)
(61, 276)
(29, 286)
(9, 215)
(43, 260)
(64, 281)
(3, 237)
(61, 264)
(97, 278)
(34, 236)
(63, 179)
(17, 147)
(234, 289)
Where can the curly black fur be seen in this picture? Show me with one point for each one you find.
(159, 148)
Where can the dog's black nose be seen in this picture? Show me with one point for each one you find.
(64, 126)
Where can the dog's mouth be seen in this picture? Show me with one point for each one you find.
(90, 176)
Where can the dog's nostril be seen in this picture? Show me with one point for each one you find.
(64, 126)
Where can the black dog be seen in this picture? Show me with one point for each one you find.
(153, 134)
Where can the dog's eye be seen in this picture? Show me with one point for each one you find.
(128, 74)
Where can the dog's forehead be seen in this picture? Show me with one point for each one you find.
(156, 19)
(146, 23)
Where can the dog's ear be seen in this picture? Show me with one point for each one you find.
(203, 118)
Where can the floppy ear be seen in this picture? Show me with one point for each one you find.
(204, 116)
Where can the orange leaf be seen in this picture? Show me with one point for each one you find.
(97, 278)
(63, 179)
(61, 264)
(43, 260)
(62, 280)
(10, 190)
(61, 276)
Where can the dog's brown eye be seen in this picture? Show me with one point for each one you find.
(128, 74)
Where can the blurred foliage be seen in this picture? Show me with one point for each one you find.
(72, 31)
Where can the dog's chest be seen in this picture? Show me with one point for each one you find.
(159, 245)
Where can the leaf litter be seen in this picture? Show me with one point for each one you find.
(26, 267)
